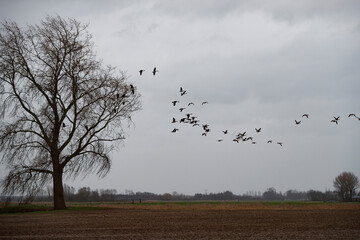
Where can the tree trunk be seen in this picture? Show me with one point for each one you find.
(59, 200)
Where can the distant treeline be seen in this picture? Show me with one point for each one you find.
(85, 194)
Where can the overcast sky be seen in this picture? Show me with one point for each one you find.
(258, 64)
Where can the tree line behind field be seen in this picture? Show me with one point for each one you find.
(86, 194)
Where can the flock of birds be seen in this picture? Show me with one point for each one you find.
(191, 119)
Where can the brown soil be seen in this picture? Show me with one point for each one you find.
(189, 222)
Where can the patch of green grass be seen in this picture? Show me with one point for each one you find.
(47, 207)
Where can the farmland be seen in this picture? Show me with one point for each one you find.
(185, 220)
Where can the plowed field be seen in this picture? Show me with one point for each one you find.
(187, 222)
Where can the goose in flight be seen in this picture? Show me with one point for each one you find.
(181, 109)
(154, 71)
(225, 132)
(174, 102)
(132, 88)
(220, 140)
(236, 140)
(204, 103)
(270, 141)
(174, 120)
(352, 114)
(280, 143)
(297, 122)
(183, 93)
(335, 121)
(258, 130)
(337, 118)
(191, 103)
(141, 71)
(203, 134)
(174, 130)
(305, 115)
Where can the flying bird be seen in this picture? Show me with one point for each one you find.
(204, 103)
(191, 103)
(204, 134)
(182, 109)
(174, 130)
(132, 88)
(225, 132)
(154, 71)
(258, 130)
(280, 143)
(183, 93)
(220, 140)
(337, 118)
(335, 121)
(352, 114)
(297, 122)
(174, 102)
(270, 141)
(236, 140)
(174, 120)
(305, 115)
(141, 71)
(181, 89)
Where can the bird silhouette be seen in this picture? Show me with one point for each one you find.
(174, 120)
(181, 89)
(337, 118)
(305, 115)
(204, 103)
(132, 88)
(280, 143)
(236, 140)
(352, 114)
(335, 121)
(183, 93)
(258, 130)
(270, 141)
(174, 102)
(191, 103)
(297, 122)
(182, 109)
(175, 130)
(182, 120)
(225, 132)
(154, 71)
(141, 71)
(204, 134)
(220, 140)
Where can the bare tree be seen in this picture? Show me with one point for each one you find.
(346, 184)
(62, 112)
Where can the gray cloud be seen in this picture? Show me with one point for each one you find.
(257, 63)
